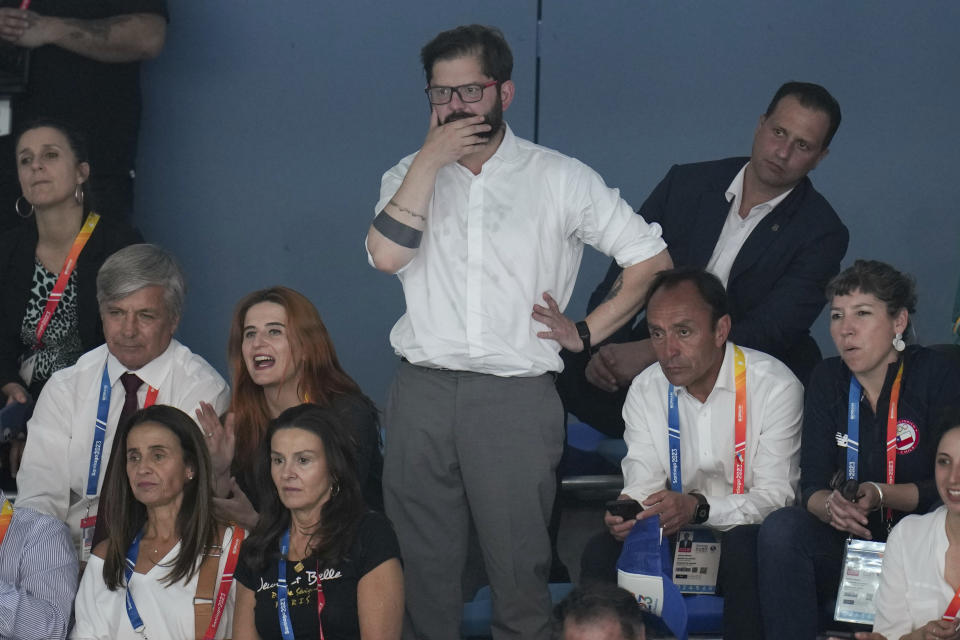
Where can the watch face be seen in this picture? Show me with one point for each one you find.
(702, 513)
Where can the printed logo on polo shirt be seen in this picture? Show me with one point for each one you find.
(907, 437)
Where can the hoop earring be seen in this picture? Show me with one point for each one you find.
(898, 343)
(78, 194)
(336, 490)
(16, 207)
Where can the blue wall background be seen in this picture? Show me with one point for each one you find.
(267, 127)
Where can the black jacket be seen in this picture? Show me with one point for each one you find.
(17, 253)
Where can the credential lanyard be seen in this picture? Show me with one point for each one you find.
(853, 429)
(220, 603)
(130, 563)
(283, 606)
(100, 429)
(892, 432)
(740, 427)
(68, 266)
(6, 515)
(951, 613)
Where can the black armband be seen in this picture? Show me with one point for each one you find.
(392, 229)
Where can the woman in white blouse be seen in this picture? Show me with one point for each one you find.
(921, 564)
(166, 567)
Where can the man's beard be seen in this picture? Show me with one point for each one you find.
(494, 118)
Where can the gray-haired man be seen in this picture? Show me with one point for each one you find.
(140, 290)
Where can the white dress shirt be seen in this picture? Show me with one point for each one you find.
(493, 244)
(912, 588)
(56, 461)
(736, 230)
(774, 417)
(166, 609)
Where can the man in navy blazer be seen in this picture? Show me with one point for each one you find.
(760, 226)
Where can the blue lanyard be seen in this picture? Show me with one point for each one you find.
(853, 427)
(99, 435)
(283, 606)
(131, 562)
(673, 431)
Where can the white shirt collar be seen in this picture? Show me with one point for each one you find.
(151, 373)
(735, 194)
(725, 377)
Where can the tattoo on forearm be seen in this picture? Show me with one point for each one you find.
(403, 234)
(409, 212)
(615, 289)
(95, 29)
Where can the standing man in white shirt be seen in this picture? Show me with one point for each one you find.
(140, 290)
(710, 379)
(483, 228)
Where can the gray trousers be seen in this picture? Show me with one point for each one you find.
(462, 445)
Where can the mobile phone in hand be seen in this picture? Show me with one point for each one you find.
(626, 509)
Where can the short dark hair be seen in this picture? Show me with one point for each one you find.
(812, 96)
(75, 138)
(599, 600)
(341, 514)
(708, 286)
(486, 43)
(895, 289)
(195, 522)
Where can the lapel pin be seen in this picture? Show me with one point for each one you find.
(775, 227)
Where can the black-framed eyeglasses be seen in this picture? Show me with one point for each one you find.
(472, 92)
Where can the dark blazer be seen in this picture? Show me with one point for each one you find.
(776, 285)
(17, 253)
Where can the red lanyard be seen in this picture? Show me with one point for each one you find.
(6, 515)
(740, 419)
(951, 613)
(71, 262)
(321, 601)
(892, 432)
(220, 602)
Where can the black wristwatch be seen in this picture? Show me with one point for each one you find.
(702, 512)
(584, 332)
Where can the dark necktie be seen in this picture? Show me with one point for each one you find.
(131, 384)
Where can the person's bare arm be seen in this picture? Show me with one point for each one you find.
(406, 213)
(127, 37)
(620, 306)
(380, 602)
(243, 621)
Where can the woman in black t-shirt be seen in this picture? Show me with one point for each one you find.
(337, 558)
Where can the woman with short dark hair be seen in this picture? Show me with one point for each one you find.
(48, 266)
(870, 432)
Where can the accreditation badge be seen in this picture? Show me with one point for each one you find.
(862, 562)
(696, 561)
(87, 526)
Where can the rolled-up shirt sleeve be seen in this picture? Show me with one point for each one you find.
(607, 223)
